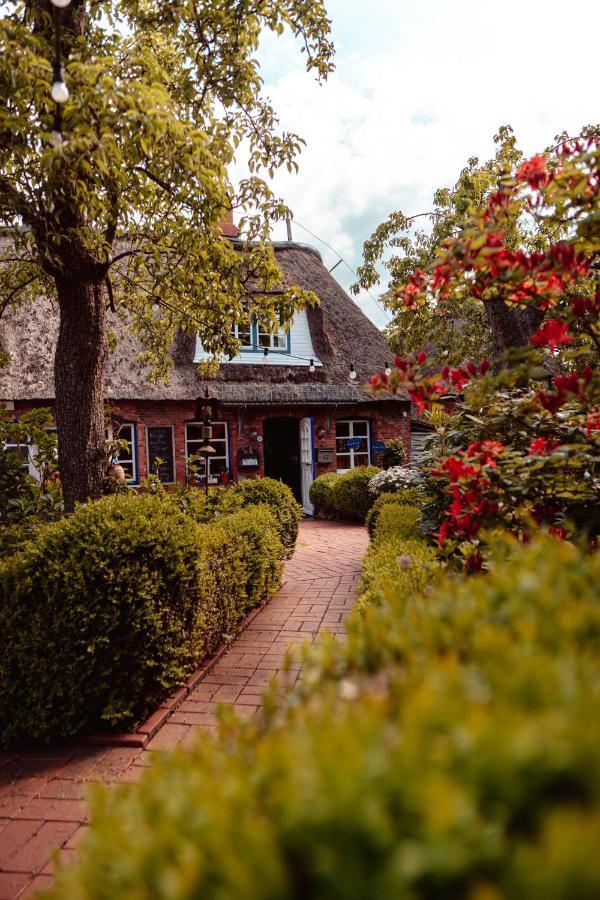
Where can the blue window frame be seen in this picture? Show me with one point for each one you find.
(256, 339)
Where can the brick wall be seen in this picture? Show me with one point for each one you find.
(387, 420)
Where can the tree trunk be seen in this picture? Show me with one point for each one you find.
(79, 366)
(510, 327)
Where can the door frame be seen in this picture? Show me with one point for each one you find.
(307, 462)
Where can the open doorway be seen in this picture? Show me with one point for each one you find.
(282, 452)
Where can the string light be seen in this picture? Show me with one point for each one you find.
(311, 366)
(60, 4)
(59, 92)
(352, 372)
(388, 371)
(266, 353)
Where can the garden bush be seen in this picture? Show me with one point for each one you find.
(394, 453)
(109, 609)
(321, 493)
(467, 768)
(280, 499)
(398, 559)
(351, 497)
(408, 497)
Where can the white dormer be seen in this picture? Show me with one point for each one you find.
(293, 348)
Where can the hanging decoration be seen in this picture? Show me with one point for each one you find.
(59, 91)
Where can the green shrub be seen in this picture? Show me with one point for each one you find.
(280, 499)
(351, 497)
(108, 610)
(321, 493)
(467, 768)
(398, 559)
(410, 497)
(394, 453)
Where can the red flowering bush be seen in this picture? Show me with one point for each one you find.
(525, 450)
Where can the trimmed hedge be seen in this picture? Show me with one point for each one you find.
(344, 496)
(321, 493)
(281, 501)
(468, 767)
(410, 497)
(109, 609)
(351, 497)
(398, 558)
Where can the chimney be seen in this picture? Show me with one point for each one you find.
(227, 226)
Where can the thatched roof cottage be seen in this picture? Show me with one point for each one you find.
(293, 413)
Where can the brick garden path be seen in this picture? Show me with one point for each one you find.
(42, 792)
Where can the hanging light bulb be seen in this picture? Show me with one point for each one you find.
(266, 354)
(311, 366)
(352, 372)
(388, 371)
(60, 4)
(59, 92)
(56, 138)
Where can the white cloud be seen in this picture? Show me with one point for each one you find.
(419, 88)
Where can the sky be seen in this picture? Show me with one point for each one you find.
(420, 86)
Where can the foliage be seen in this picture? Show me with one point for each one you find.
(408, 497)
(396, 478)
(522, 447)
(109, 609)
(321, 493)
(27, 503)
(118, 200)
(286, 511)
(352, 499)
(398, 560)
(394, 453)
(453, 754)
(454, 329)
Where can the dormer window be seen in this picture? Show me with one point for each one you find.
(279, 341)
(243, 333)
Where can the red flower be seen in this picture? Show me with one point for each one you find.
(421, 357)
(534, 172)
(474, 562)
(542, 446)
(552, 334)
(551, 402)
(459, 377)
(593, 421)
(568, 384)
(485, 365)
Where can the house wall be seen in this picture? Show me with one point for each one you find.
(387, 420)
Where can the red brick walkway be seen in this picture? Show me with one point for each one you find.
(42, 792)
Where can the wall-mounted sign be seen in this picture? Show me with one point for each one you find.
(325, 454)
(160, 446)
(378, 446)
(353, 443)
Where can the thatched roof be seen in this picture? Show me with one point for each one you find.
(340, 332)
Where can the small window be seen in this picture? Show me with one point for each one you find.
(243, 333)
(352, 445)
(219, 462)
(279, 341)
(20, 450)
(128, 456)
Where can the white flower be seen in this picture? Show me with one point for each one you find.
(395, 479)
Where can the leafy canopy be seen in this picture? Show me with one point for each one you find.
(454, 330)
(163, 97)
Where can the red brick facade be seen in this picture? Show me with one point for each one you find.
(246, 426)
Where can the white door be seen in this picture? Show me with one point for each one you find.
(306, 463)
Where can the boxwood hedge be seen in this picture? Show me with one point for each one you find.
(344, 496)
(455, 756)
(109, 609)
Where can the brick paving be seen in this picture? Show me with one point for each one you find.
(43, 809)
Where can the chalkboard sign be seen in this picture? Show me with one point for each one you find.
(160, 444)
(378, 446)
